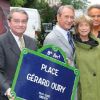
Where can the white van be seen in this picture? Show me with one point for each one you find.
(34, 22)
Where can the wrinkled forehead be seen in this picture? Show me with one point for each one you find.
(18, 14)
(67, 11)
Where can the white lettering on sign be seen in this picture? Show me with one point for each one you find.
(39, 80)
(46, 83)
(44, 96)
(56, 56)
(50, 70)
(58, 87)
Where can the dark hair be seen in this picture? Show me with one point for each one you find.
(97, 6)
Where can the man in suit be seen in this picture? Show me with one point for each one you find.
(59, 35)
(10, 49)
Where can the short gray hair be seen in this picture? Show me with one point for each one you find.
(64, 6)
(9, 17)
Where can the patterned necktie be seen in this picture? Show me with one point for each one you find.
(70, 39)
(21, 42)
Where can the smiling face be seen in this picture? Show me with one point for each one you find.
(66, 18)
(95, 14)
(84, 29)
(83, 26)
(18, 23)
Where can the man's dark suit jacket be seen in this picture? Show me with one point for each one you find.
(9, 56)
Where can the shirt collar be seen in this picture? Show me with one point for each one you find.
(62, 31)
(16, 37)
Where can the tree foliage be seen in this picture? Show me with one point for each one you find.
(78, 4)
(48, 13)
(18, 3)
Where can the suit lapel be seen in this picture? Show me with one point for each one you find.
(63, 40)
(12, 44)
(61, 37)
(27, 43)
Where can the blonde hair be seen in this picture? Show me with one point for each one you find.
(83, 18)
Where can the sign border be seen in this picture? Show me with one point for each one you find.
(38, 53)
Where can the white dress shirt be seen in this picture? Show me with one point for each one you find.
(16, 38)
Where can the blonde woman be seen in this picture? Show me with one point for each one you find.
(87, 59)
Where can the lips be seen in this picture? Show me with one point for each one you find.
(95, 23)
(84, 31)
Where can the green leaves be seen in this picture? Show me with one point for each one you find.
(78, 4)
(18, 3)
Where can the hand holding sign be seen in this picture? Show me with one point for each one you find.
(10, 94)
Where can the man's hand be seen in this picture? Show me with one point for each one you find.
(9, 95)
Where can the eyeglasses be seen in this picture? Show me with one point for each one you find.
(17, 21)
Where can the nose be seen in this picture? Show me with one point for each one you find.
(21, 23)
(69, 19)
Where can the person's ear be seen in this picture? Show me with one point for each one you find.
(58, 17)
